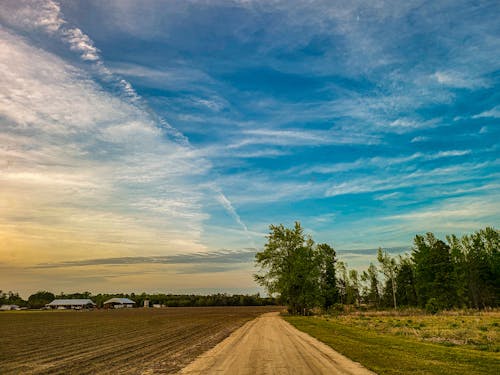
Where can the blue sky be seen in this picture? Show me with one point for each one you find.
(149, 145)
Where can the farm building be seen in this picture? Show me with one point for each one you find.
(118, 303)
(9, 307)
(75, 304)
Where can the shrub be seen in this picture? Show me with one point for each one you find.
(432, 306)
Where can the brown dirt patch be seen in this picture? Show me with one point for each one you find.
(131, 341)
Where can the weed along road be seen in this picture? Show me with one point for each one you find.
(269, 345)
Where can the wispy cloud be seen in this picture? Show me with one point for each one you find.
(387, 196)
(419, 138)
(295, 137)
(89, 153)
(176, 77)
(211, 262)
(46, 15)
(454, 79)
(453, 214)
(226, 203)
(494, 113)
(221, 257)
(378, 162)
(415, 178)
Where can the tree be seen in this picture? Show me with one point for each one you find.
(295, 269)
(434, 271)
(40, 299)
(280, 262)
(491, 240)
(3, 297)
(476, 261)
(11, 298)
(328, 279)
(353, 288)
(369, 277)
(389, 269)
(460, 269)
(405, 281)
(348, 284)
(342, 280)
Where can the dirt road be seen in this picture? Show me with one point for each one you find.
(269, 345)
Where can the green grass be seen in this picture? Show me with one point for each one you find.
(381, 344)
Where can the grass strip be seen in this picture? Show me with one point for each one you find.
(389, 354)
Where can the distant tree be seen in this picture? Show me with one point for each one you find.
(348, 284)
(388, 266)
(342, 281)
(40, 299)
(3, 297)
(77, 295)
(175, 300)
(354, 288)
(370, 279)
(12, 298)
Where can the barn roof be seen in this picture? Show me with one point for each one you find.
(122, 301)
(72, 302)
(9, 307)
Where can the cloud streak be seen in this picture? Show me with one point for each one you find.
(222, 257)
(46, 15)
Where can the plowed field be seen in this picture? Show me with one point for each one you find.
(132, 341)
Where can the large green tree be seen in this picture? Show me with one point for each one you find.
(434, 271)
(40, 299)
(293, 267)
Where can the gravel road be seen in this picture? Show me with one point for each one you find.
(270, 345)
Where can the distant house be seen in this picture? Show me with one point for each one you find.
(9, 307)
(75, 304)
(118, 303)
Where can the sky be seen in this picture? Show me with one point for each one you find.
(147, 146)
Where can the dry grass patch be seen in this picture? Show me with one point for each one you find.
(478, 330)
(401, 343)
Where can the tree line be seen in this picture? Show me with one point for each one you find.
(456, 273)
(41, 298)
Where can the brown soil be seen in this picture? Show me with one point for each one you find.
(131, 341)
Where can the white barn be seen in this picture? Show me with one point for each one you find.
(9, 307)
(118, 303)
(75, 304)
